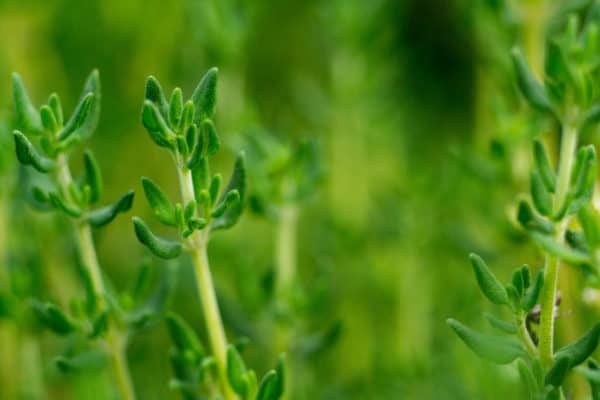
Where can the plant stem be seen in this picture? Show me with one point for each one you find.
(286, 248)
(568, 148)
(524, 335)
(89, 259)
(197, 243)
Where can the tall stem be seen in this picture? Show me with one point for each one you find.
(286, 247)
(197, 243)
(89, 259)
(568, 147)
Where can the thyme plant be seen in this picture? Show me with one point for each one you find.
(103, 320)
(187, 131)
(560, 218)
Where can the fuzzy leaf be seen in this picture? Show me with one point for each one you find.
(530, 298)
(105, 215)
(489, 285)
(27, 115)
(531, 88)
(501, 325)
(183, 336)
(156, 126)
(205, 96)
(209, 132)
(268, 387)
(237, 182)
(92, 176)
(531, 221)
(175, 107)
(155, 94)
(580, 350)
(163, 248)
(160, 203)
(59, 202)
(78, 117)
(90, 122)
(236, 369)
(557, 373)
(48, 120)
(548, 244)
(55, 106)
(543, 165)
(499, 349)
(51, 316)
(540, 194)
(28, 155)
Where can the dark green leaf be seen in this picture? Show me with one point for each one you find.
(579, 351)
(234, 210)
(499, 349)
(540, 194)
(90, 123)
(489, 285)
(543, 165)
(532, 89)
(92, 176)
(501, 325)
(59, 202)
(154, 122)
(77, 118)
(565, 253)
(154, 94)
(531, 296)
(51, 316)
(557, 373)
(163, 248)
(529, 379)
(268, 387)
(175, 107)
(27, 115)
(205, 96)
(160, 203)
(209, 132)
(48, 120)
(105, 215)
(183, 336)
(28, 155)
(236, 369)
(55, 106)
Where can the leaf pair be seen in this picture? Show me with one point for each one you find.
(243, 381)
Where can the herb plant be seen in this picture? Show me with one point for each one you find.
(103, 321)
(559, 217)
(188, 132)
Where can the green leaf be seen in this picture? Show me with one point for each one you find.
(517, 281)
(579, 351)
(557, 373)
(232, 200)
(532, 89)
(51, 316)
(55, 106)
(205, 96)
(77, 118)
(48, 120)
(531, 221)
(105, 215)
(99, 325)
(499, 349)
(280, 369)
(540, 194)
(584, 181)
(589, 220)
(234, 208)
(27, 117)
(197, 149)
(236, 369)
(215, 188)
(92, 176)
(90, 122)
(28, 155)
(156, 126)
(548, 244)
(155, 94)
(175, 107)
(209, 132)
(201, 179)
(268, 387)
(163, 248)
(59, 202)
(592, 374)
(159, 202)
(183, 336)
(489, 285)
(501, 325)
(543, 165)
(527, 376)
(531, 296)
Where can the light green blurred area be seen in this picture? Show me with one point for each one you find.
(396, 92)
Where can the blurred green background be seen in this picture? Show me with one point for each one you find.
(424, 148)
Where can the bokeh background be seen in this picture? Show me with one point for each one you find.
(424, 144)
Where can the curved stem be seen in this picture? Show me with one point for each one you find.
(568, 148)
(89, 259)
(197, 243)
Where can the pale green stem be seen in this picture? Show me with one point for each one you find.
(286, 248)
(89, 259)
(197, 244)
(524, 335)
(568, 148)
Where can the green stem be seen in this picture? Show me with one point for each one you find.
(524, 335)
(286, 248)
(197, 244)
(568, 148)
(89, 259)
